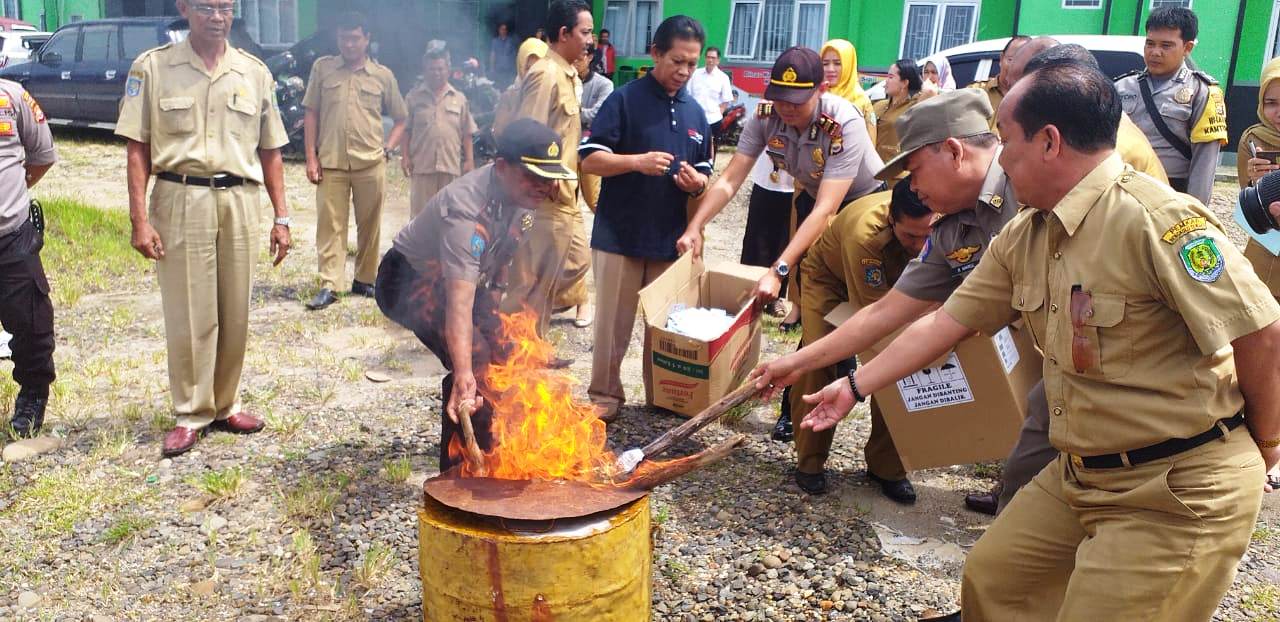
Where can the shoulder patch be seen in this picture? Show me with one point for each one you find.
(1212, 124)
(764, 109)
(873, 272)
(928, 246)
(1202, 259)
(1187, 225)
(133, 86)
(36, 111)
(478, 243)
(828, 124)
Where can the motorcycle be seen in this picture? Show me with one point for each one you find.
(729, 128)
(291, 70)
(482, 96)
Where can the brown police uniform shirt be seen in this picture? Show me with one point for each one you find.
(197, 121)
(857, 256)
(991, 87)
(887, 142)
(437, 129)
(958, 241)
(550, 93)
(834, 145)
(25, 139)
(350, 105)
(1159, 295)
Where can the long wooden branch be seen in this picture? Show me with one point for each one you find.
(699, 421)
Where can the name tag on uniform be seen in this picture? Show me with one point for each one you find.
(7, 129)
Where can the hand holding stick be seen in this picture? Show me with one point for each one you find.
(473, 455)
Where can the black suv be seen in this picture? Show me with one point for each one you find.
(78, 76)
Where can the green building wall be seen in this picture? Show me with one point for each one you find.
(59, 12)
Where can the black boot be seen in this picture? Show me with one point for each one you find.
(782, 429)
(28, 414)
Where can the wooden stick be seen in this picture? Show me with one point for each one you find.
(699, 421)
(473, 453)
(661, 473)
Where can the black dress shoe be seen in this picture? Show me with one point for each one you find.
(323, 298)
(899, 490)
(361, 289)
(950, 617)
(982, 502)
(28, 415)
(782, 429)
(812, 483)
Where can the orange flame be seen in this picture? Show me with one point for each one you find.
(540, 430)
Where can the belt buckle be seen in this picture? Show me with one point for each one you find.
(213, 181)
(1077, 461)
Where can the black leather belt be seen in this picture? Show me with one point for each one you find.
(1160, 450)
(221, 181)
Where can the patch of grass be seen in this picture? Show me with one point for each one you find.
(662, 515)
(285, 424)
(86, 249)
(125, 529)
(113, 442)
(398, 470)
(987, 470)
(1263, 602)
(374, 566)
(59, 499)
(306, 565)
(674, 569)
(161, 421)
(1261, 533)
(352, 370)
(772, 331)
(222, 484)
(314, 497)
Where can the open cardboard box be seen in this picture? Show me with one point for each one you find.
(683, 374)
(966, 407)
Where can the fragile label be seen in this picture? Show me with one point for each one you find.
(1006, 348)
(935, 387)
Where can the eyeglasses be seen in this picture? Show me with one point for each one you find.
(209, 10)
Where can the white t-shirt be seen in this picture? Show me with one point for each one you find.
(710, 89)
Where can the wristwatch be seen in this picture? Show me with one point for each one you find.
(284, 221)
(853, 384)
(781, 269)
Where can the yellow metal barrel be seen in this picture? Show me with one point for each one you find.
(595, 569)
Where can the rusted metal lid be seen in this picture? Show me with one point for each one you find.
(532, 500)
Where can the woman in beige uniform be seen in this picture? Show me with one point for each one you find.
(903, 88)
(1264, 136)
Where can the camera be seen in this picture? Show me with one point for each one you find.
(1255, 201)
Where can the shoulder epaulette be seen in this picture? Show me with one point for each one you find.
(1130, 74)
(829, 125)
(1204, 77)
(153, 51)
(764, 109)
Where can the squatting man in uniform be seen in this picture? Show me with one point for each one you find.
(1161, 348)
(447, 269)
(25, 308)
(201, 116)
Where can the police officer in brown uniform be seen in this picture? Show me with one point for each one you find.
(438, 132)
(25, 309)
(345, 100)
(950, 151)
(201, 116)
(1161, 348)
(551, 93)
(856, 260)
(997, 86)
(447, 269)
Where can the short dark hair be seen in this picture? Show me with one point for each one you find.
(436, 53)
(677, 27)
(713, 48)
(904, 203)
(1078, 100)
(1067, 53)
(604, 31)
(908, 70)
(352, 20)
(1175, 17)
(563, 14)
(1012, 40)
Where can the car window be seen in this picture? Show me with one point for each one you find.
(138, 38)
(964, 70)
(62, 43)
(1115, 64)
(100, 43)
(33, 43)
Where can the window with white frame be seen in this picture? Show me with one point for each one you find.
(761, 30)
(271, 22)
(932, 25)
(1273, 40)
(1081, 4)
(10, 8)
(631, 24)
(1158, 4)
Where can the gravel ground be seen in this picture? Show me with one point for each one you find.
(314, 519)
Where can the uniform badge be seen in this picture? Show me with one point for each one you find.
(1202, 259)
(695, 136)
(7, 129)
(553, 150)
(964, 254)
(5, 102)
(477, 245)
(837, 146)
(36, 111)
(996, 201)
(133, 86)
(1183, 96)
(1188, 225)
(778, 142)
(813, 132)
(789, 74)
(873, 275)
(818, 158)
(526, 222)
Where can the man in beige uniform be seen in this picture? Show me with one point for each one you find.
(201, 116)
(550, 94)
(438, 132)
(1161, 347)
(346, 98)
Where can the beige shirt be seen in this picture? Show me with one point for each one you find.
(24, 140)
(350, 105)
(437, 129)
(197, 121)
(1161, 295)
(550, 93)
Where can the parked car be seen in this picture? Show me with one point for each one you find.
(78, 75)
(980, 60)
(16, 46)
(8, 24)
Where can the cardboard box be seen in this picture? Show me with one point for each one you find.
(966, 407)
(683, 374)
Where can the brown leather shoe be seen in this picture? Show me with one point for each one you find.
(179, 441)
(239, 423)
(982, 503)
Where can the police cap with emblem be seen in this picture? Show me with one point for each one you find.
(954, 114)
(536, 147)
(795, 76)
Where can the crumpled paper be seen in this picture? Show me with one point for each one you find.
(699, 323)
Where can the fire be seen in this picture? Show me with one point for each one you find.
(540, 430)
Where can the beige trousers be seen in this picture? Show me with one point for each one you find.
(337, 192)
(210, 244)
(536, 269)
(423, 187)
(618, 282)
(571, 290)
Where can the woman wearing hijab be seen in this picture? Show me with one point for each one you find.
(903, 89)
(936, 73)
(529, 53)
(840, 72)
(1264, 136)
